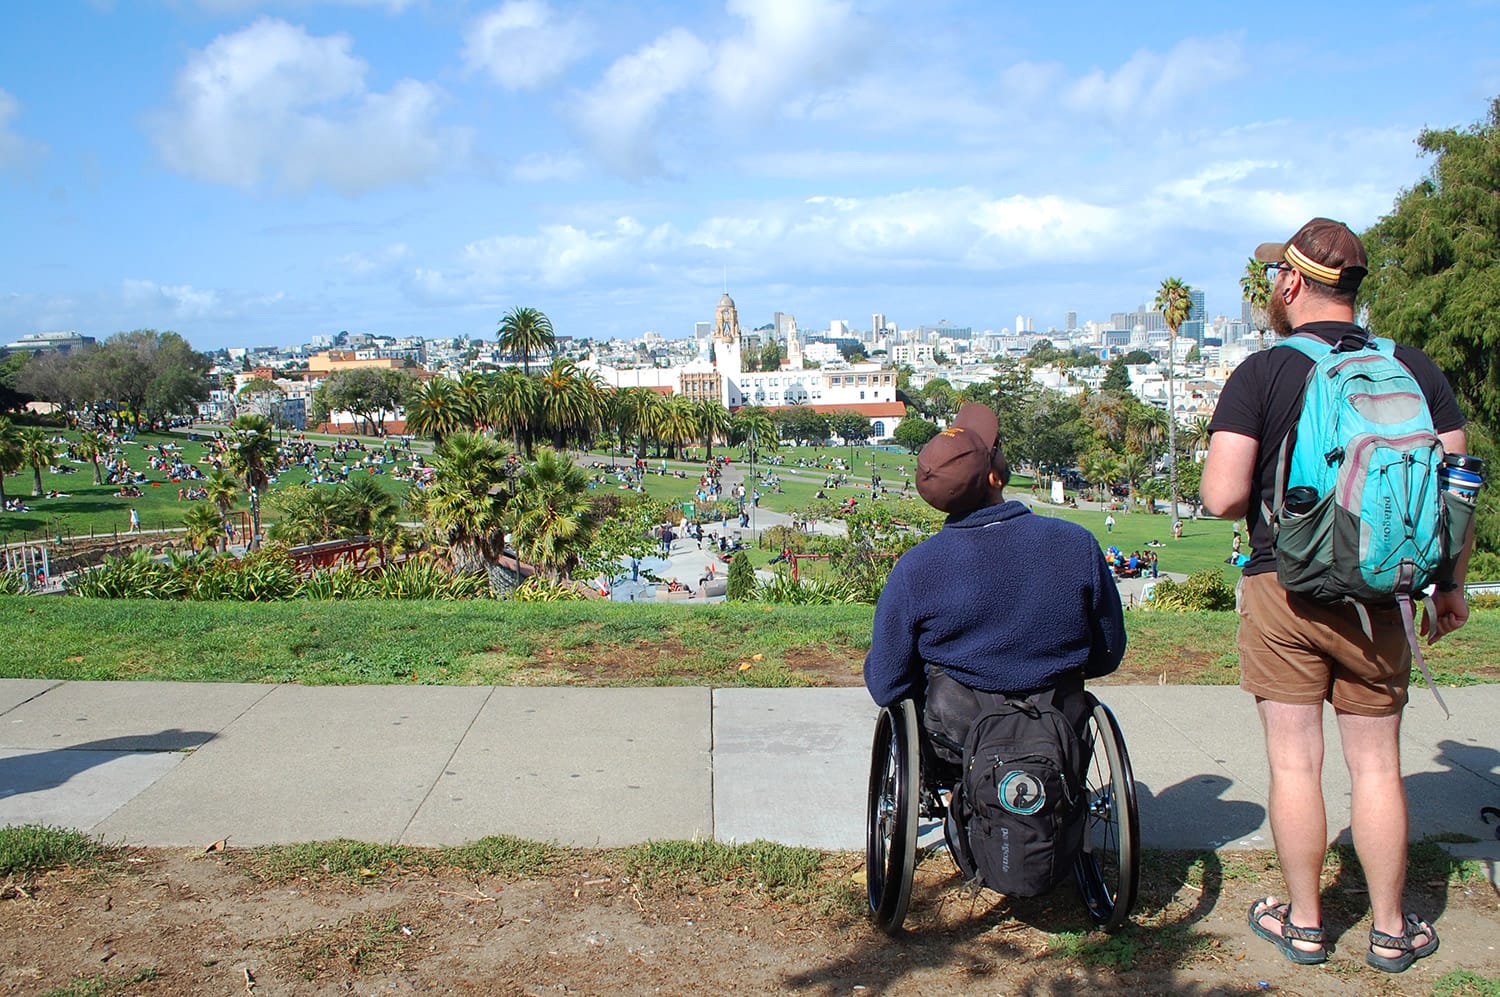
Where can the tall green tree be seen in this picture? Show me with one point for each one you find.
(551, 517)
(1117, 378)
(1174, 301)
(436, 409)
(464, 505)
(1434, 281)
(1256, 289)
(526, 332)
(11, 460)
(91, 447)
(37, 451)
(252, 455)
(713, 423)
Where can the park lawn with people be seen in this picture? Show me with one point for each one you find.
(85, 508)
(485, 642)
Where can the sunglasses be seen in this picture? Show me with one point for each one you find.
(1273, 268)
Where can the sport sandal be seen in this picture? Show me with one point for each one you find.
(1290, 932)
(1414, 927)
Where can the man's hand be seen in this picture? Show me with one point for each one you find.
(1444, 613)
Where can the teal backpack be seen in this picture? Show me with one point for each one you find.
(1374, 526)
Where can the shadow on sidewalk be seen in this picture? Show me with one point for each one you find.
(37, 771)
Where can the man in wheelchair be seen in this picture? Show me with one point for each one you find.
(999, 601)
(992, 625)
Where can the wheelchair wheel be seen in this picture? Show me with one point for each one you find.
(891, 815)
(1108, 869)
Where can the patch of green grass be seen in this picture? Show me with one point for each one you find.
(1465, 983)
(760, 866)
(501, 855)
(102, 984)
(340, 858)
(26, 849)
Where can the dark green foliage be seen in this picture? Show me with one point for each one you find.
(1434, 279)
(1118, 378)
(741, 579)
(913, 433)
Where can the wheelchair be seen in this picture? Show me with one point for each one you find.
(907, 778)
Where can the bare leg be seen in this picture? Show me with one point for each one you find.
(1377, 814)
(1294, 749)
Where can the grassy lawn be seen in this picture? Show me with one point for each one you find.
(95, 508)
(594, 643)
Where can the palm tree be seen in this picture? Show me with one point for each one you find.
(205, 529)
(640, 405)
(222, 488)
(91, 447)
(475, 397)
(550, 515)
(436, 409)
(464, 505)
(512, 403)
(525, 331)
(1256, 289)
(713, 423)
(1175, 302)
(37, 451)
(565, 405)
(11, 460)
(1198, 434)
(676, 424)
(755, 428)
(252, 452)
(367, 506)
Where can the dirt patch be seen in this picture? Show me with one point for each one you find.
(171, 923)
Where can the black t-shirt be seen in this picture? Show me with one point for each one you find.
(1261, 399)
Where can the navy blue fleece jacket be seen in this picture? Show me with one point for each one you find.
(1000, 599)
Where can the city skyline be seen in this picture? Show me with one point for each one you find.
(263, 172)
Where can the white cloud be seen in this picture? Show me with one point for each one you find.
(14, 149)
(541, 168)
(180, 301)
(523, 45)
(240, 6)
(364, 265)
(787, 46)
(273, 101)
(621, 113)
(1151, 85)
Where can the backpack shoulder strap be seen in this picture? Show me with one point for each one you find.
(1314, 349)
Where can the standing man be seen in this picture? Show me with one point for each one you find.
(1109, 522)
(1296, 652)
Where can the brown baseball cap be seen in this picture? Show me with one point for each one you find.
(953, 469)
(1322, 250)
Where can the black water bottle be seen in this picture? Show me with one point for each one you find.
(1299, 501)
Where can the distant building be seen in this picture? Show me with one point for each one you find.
(866, 388)
(47, 342)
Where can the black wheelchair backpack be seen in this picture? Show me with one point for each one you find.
(1017, 816)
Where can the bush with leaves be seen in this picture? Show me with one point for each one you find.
(741, 579)
(1203, 591)
(782, 589)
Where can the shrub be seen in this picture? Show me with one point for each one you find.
(1484, 566)
(809, 592)
(741, 579)
(1203, 590)
(538, 589)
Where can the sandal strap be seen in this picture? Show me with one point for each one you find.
(1300, 934)
(1282, 912)
(1412, 926)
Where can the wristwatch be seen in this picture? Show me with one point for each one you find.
(1447, 586)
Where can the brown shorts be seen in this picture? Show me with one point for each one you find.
(1299, 651)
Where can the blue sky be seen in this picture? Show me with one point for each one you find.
(253, 173)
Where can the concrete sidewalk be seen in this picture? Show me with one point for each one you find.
(185, 764)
